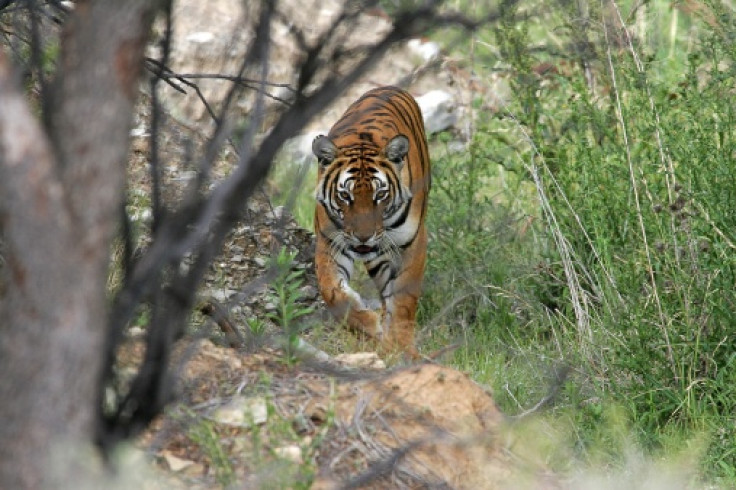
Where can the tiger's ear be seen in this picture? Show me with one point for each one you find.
(397, 148)
(324, 149)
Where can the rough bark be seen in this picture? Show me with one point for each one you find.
(61, 188)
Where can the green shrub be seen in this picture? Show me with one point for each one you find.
(627, 271)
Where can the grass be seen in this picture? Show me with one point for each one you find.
(620, 264)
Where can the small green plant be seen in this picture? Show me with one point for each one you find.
(286, 295)
(256, 326)
(205, 435)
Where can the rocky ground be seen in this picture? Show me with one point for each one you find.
(250, 415)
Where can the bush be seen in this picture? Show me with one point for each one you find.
(627, 272)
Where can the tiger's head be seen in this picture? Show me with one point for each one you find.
(360, 189)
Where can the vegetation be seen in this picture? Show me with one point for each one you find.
(286, 296)
(589, 223)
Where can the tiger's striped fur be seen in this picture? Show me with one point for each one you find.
(372, 188)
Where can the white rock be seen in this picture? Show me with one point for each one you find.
(426, 50)
(242, 411)
(222, 295)
(277, 213)
(308, 291)
(201, 37)
(439, 110)
(368, 360)
(138, 132)
(175, 463)
(305, 350)
(291, 453)
(185, 176)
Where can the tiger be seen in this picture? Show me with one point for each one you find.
(373, 182)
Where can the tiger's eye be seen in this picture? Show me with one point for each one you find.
(344, 195)
(381, 195)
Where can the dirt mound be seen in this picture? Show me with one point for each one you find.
(418, 426)
(424, 425)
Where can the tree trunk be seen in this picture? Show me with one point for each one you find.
(61, 188)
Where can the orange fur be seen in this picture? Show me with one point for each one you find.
(372, 188)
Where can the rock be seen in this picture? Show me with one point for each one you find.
(185, 176)
(139, 132)
(308, 292)
(242, 411)
(425, 50)
(175, 463)
(254, 207)
(201, 37)
(367, 360)
(221, 295)
(292, 453)
(439, 110)
(277, 213)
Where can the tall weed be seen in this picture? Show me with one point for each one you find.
(627, 272)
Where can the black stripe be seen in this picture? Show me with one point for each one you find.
(332, 219)
(402, 218)
(343, 270)
(391, 277)
(327, 178)
(376, 269)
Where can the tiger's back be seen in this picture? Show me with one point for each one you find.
(373, 183)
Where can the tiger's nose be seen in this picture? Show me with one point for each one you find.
(363, 237)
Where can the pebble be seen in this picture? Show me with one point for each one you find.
(426, 50)
(221, 295)
(439, 110)
(308, 292)
(201, 37)
(242, 411)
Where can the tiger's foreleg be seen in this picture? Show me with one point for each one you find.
(345, 304)
(400, 294)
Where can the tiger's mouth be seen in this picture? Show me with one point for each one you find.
(364, 249)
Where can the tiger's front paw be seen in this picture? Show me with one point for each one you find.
(400, 338)
(367, 322)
